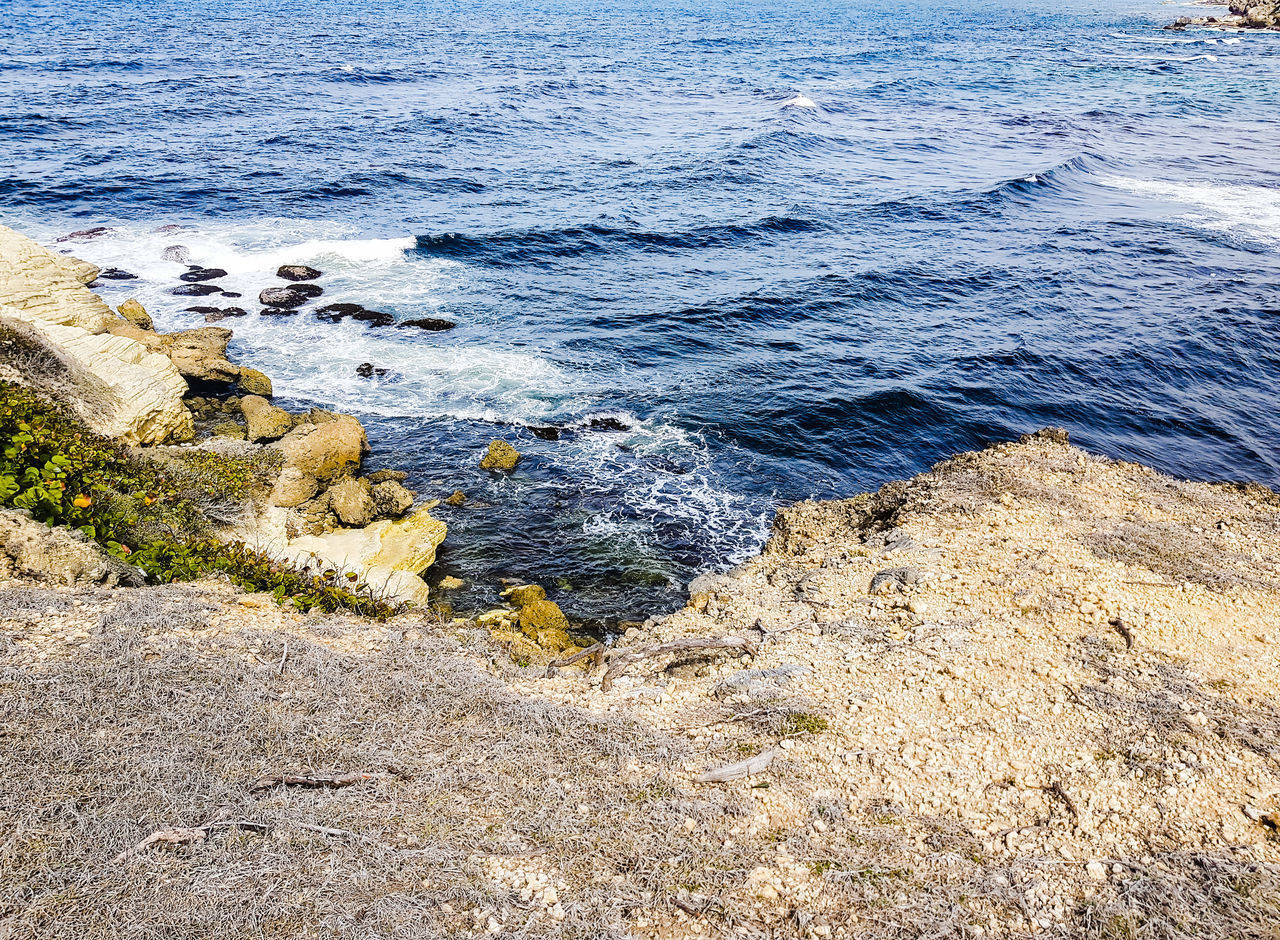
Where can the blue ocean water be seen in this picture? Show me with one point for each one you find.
(797, 250)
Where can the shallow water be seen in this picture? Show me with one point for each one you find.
(798, 250)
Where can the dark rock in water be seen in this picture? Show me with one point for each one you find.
(115, 274)
(201, 309)
(178, 253)
(231, 293)
(606, 424)
(213, 316)
(282, 297)
(335, 312)
(168, 229)
(368, 370)
(297, 272)
(202, 274)
(196, 290)
(84, 235)
(430, 323)
(307, 290)
(547, 433)
(374, 318)
(276, 312)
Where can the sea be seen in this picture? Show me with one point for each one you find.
(705, 259)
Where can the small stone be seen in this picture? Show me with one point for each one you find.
(450, 583)
(501, 456)
(1096, 870)
(456, 499)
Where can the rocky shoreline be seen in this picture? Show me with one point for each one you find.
(1241, 15)
(1030, 693)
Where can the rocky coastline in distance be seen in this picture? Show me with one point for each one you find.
(1241, 15)
(1031, 692)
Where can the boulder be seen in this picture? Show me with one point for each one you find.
(114, 384)
(263, 420)
(293, 488)
(215, 316)
(136, 314)
(49, 286)
(391, 498)
(59, 555)
(544, 622)
(373, 317)
(335, 312)
(325, 451)
(283, 297)
(382, 476)
(351, 500)
(115, 274)
(523, 594)
(297, 272)
(229, 429)
(196, 290)
(501, 456)
(253, 382)
(200, 353)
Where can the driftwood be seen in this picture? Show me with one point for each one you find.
(619, 660)
(309, 780)
(187, 836)
(596, 651)
(743, 768)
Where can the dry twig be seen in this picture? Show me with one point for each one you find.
(743, 768)
(309, 780)
(619, 660)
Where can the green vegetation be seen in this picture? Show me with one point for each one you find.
(159, 516)
(803, 723)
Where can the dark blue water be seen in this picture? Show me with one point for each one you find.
(796, 249)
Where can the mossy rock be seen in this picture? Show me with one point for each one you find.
(501, 456)
(544, 622)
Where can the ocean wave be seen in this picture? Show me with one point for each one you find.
(505, 249)
(1239, 209)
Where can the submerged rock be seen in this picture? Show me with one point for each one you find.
(115, 274)
(213, 316)
(431, 324)
(297, 272)
(373, 317)
(276, 312)
(368, 370)
(457, 498)
(501, 456)
(196, 290)
(335, 312)
(85, 235)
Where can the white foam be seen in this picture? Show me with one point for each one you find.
(802, 101)
(1253, 211)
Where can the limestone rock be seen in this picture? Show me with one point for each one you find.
(501, 456)
(523, 594)
(231, 429)
(328, 450)
(264, 421)
(392, 498)
(450, 583)
(390, 555)
(201, 353)
(544, 622)
(136, 314)
(114, 384)
(352, 501)
(253, 382)
(49, 286)
(293, 488)
(456, 498)
(381, 476)
(60, 555)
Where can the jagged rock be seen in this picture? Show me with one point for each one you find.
(136, 314)
(115, 274)
(276, 312)
(391, 498)
(326, 451)
(335, 312)
(456, 498)
(523, 594)
(431, 324)
(215, 316)
(49, 286)
(293, 488)
(202, 274)
(253, 382)
(352, 501)
(373, 317)
(382, 476)
(367, 370)
(115, 385)
(297, 272)
(501, 456)
(60, 555)
(263, 420)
